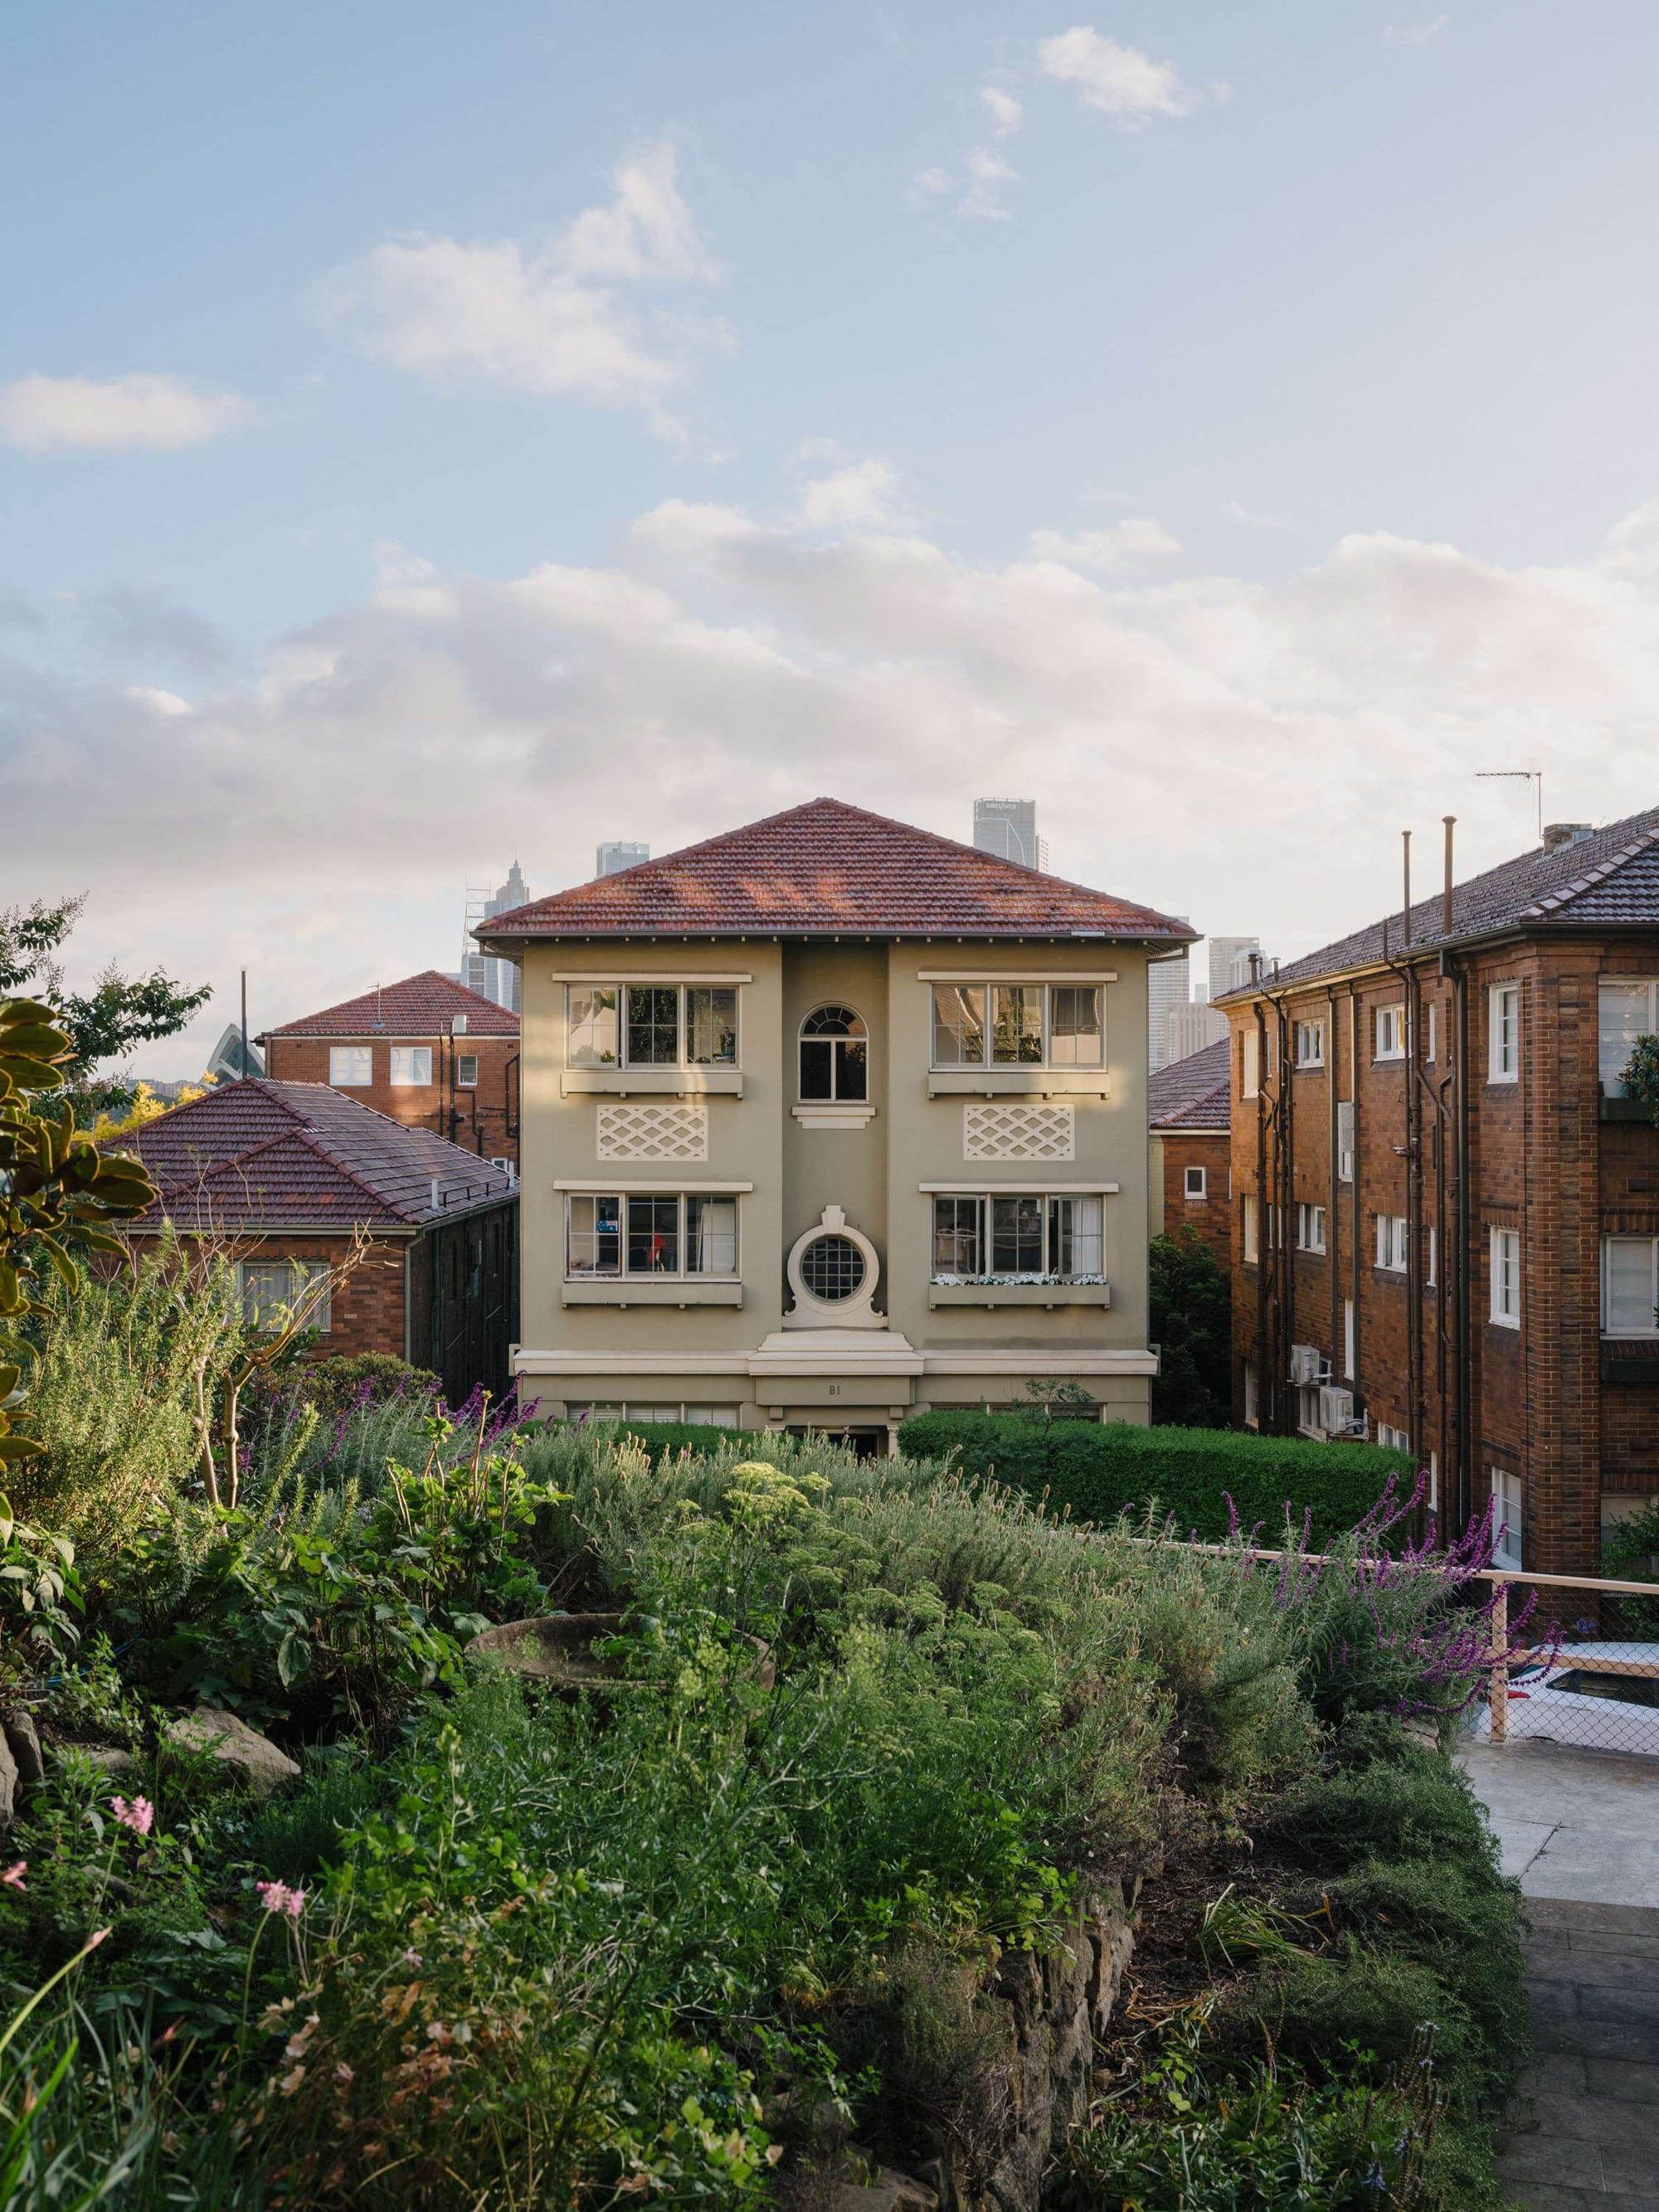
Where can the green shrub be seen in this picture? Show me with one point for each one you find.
(359, 1378)
(1095, 1472)
(1191, 1305)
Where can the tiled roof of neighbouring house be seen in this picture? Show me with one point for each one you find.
(827, 869)
(1194, 1093)
(422, 1005)
(259, 1155)
(1609, 878)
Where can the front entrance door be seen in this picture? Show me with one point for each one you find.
(868, 1443)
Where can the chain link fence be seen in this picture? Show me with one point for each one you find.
(1574, 1660)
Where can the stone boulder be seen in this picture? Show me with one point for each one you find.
(251, 1758)
(24, 1741)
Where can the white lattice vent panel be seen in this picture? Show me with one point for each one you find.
(1017, 1131)
(651, 1131)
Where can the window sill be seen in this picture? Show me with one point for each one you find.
(833, 1114)
(1511, 1328)
(1019, 1294)
(652, 1082)
(1019, 1083)
(647, 1291)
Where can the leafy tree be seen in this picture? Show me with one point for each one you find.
(56, 1190)
(119, 1011)
(1191, 1322)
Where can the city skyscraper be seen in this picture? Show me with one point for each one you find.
(1007, 827)
(612, 859)
(492, 979)
(1169, 985)
(1230, 962)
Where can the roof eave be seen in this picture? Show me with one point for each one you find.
(1473, 941)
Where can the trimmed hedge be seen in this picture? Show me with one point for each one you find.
(1100, 1470)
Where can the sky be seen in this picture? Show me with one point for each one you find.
(433, 435)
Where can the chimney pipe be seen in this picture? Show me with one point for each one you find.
(1405, 840)
(1450, 821)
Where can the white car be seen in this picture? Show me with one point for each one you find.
(1573, 1699)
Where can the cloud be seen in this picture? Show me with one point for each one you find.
(988, 173)
(1132, 540)
(154, 413)
(721, 668)
(1117, 81)
(1005, 112)
(1252, 518)
(548, 322)
(1415, 34)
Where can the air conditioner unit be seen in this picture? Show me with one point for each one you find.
(1307, 1364)
(1335, 1411)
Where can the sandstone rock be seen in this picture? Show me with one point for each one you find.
(888, 2192)
(8, 1783)
(25, 1741)
(251, 1756)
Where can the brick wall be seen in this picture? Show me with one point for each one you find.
(367, 1312)
(1211, 1215)
(481, 1120)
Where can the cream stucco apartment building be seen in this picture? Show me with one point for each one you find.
(827, 1120)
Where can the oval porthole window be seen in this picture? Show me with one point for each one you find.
(832, 1268)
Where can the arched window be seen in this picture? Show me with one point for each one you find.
(835, 1055)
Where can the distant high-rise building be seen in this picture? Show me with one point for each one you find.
(1169, 985)
(1230, 962)
(614, 858)
(1188, 1028)
(492, 979)
(1007, 827)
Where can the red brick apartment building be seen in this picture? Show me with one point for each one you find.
(282, 1176)
(1448, 1210)
(425, 1052)
(1189, 1114)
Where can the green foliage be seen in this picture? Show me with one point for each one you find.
(350, 1380)
(119, 1011)
(1096, 1473)
(38, 1592)
(1191, 1324)
(1641, 1076)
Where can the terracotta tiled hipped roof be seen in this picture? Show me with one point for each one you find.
(261, 1156)
(422, 1005)
(827, 869)
(1606, 880)
(1194, 1093)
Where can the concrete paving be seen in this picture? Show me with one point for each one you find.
(1580, 1829)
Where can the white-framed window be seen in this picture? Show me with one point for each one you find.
(651, 1025)
(835, 1055)
(650, 1233)
(1348, 1337)
(1252, 1395)
(1251, 1222)
(352, 1066)
(714, 1416)
(1506, 1512)
(1309, 1228)
(411, 1066)
(1629, 1286)
(1430, 1026)
(1627, 1008)
(987, 1236)
(1311, 1044)
(466, 1071)
(1433, 1500)
(1249, 1064)
(1432, 1240)
(1389, 1033)
(1017, 1025)
(1395, 1439)
(1307, 1409)
(1344, 1140)
(271, 1290)
(1506, 1277)
(1393, 1236)
(1504, 1033)
(1197, 1183)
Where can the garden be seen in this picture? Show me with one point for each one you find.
(460, 1811)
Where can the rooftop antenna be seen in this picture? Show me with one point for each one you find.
(1450, 822)
(1517, 775)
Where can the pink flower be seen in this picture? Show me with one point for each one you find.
(278, 1897)
(13, 1876)
(139, 1816)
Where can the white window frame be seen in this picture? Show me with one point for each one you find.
(1311, 1044)
(1432, 1240)
(301, 1275)
(1503, 1247)
(410, 1068)
(1195, 1182)
(1309, 1227)
(682, 1023)
(1504, 1033)
(1250, 1228)
(343, 1059)
(1612, 1077)
(1249, 1064)
(1252, 1395)
(1649, 1327)
(1350, 1336)
(857, 1034)
(622, 1273)
(1433, 1011)
(987, 990)
(1509, 1505)
(1394, 1439)
(1393, 1243)
(1345, 1144)
(1389, 1033)
(1047, 1202)
(1307, 1408)
(466, 1071)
